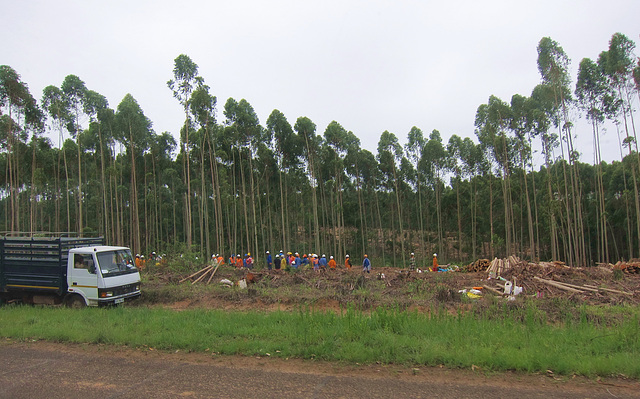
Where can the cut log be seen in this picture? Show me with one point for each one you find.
(196, 273)
(214, 272)
(558, 285)
(610, 290)
(579, 287)
(208, 269)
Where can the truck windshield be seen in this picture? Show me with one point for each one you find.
(114, 263)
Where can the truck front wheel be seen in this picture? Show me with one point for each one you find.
(75, 302)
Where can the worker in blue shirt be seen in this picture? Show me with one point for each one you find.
(269, 261)
(366, 264)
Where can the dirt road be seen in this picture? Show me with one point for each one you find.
(46, 370)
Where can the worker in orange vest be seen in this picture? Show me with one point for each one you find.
(332, 263)
(435, 263)
(347, 262)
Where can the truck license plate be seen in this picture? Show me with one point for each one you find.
(119, 300)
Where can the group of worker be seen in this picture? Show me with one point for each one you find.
(288, 261)
(141, 261)
(282, 261)
(238, 260)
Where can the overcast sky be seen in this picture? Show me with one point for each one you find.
(369, 65)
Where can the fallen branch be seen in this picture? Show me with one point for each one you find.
(493, 290)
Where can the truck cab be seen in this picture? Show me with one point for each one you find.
(101, 275)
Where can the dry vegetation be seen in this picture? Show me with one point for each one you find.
(398, 288)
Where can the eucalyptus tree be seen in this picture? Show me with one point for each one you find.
(433, 162)
(352, 168)
(389, 155)
(243, 121)
(553, 65)
(306, 130)
(185, 79)
(371, 179)
(97, 107)
(454, 151)
(472, 166)
(618, 62)
(543, 100)
(20, 113)
(492, 123)
(202, 106)
(286, 147)
(523, 125)
(596, 98)
(413, 149)
(54, 102)
(133, 130)
(75, 94)
(339, 141)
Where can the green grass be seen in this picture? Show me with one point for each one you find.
(519, 339)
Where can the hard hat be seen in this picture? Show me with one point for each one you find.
(331, 257)
(267, 251)
(324, 256)
(365, 255)
(248, 253)
(239, 255)
(412, 254)
(297, 254)
(347, 256)
(435, 254)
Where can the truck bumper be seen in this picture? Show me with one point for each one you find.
(119, 300)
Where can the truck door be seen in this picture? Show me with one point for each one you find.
(84, 277)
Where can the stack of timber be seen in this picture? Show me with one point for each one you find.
(479, 265)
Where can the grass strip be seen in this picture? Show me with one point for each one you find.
(384, 335)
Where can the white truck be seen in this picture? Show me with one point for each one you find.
(76, 272)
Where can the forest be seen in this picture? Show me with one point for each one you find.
(229, 184)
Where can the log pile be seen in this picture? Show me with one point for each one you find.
(631, 267)
(498, 266)
(479, 265)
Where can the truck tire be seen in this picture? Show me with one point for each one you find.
(75, 302)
